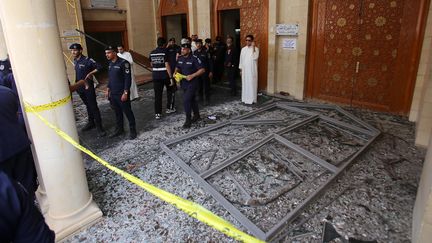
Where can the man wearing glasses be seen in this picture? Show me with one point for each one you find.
(248, 66)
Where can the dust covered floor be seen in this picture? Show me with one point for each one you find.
(372, 200)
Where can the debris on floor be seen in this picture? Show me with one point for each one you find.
(371, 200)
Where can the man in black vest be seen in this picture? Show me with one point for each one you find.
(162, 75)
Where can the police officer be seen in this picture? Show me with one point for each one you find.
(173, 52)
(16, 159)
(162, 76)
(190, 66)
(9, 81)
(118, 91)
(85, 67)
(5, 68)
(20, 220)
(206, 61)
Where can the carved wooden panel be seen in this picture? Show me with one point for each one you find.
(254, 21)
(173, 7)
(365, 52)
(336, 50)
(379, 42)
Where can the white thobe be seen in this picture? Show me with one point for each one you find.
(249, 66)
(133, 89)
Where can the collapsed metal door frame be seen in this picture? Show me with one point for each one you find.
(298, 108)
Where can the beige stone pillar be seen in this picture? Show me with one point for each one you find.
(271, 73)
(422, 216)
(41, 193)
(3, 49)
(204, 17)
(32, 38)
(192, 8)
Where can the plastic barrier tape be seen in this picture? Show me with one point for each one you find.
(39, 108)
(192, 209)
(178, 77)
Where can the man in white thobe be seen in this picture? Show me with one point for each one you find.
(248, 66)
(128, 57)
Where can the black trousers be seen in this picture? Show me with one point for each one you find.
(158, 86)
(231, 72)
(88, 96)
(121, 107)
(21, 168)
(204, 86)
(189, 100)
(218, 71)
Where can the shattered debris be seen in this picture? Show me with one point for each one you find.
(371, 200)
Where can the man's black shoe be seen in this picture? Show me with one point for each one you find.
(116, 133)
(88, 126)
(196, 118)
(187, 124)
(132, 133)
(101, 132)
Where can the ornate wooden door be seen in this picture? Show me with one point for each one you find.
(364, 52)
(337, 49)
(378, 46)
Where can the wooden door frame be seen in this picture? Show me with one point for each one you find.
(164, 9)
(216, 30)
(416, 12)
(109, 26)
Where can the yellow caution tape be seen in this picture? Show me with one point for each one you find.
(39, 108)
(178, 77)
(192, 209)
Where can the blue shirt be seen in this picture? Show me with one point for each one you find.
(13, 138)
(172, 52)
(188, 65)
(20, 220)
(9, 81)
(83, 66)
(5, 67)
(205, 59)
(119, 76)
(158, 58)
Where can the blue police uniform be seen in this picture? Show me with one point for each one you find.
(5, 68)
(119, 76)
(158, 58)
(20, 220)
(16, 158)
(207, 63)
(187, 65)
(172, 52)
(83, 66)
(9, 81)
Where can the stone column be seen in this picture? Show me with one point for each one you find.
(32, 39)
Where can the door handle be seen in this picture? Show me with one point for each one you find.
(357, 67)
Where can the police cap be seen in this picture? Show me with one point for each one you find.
(75, 46)
(186, 45)
(111, 48)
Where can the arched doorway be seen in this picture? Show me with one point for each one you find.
(253, 20)
(173, 17)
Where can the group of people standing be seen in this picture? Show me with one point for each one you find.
(199, 64)
(190, 66)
